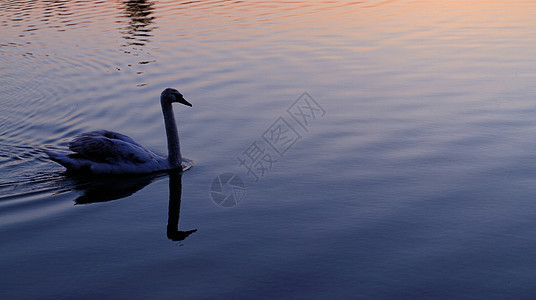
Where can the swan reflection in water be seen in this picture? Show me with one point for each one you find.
(175, 194)
(108, 188)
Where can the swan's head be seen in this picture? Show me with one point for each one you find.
(172, 95)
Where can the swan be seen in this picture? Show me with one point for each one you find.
(108, 152)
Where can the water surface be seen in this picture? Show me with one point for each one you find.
(415, 179)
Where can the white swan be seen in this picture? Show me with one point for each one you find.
(107, 152)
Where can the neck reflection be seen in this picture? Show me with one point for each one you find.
(175, 194)
(109, 188)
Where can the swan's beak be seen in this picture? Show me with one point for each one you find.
(183, 101)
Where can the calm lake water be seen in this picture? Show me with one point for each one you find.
(342, 150)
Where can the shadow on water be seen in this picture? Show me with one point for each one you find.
(140, 19)
(109, 188)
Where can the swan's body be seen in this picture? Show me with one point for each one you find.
(107, 152)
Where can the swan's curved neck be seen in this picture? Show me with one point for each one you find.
(174, 150)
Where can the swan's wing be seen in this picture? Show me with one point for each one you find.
(111, 135)
(108, 146)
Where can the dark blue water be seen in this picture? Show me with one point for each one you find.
(379, 149)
